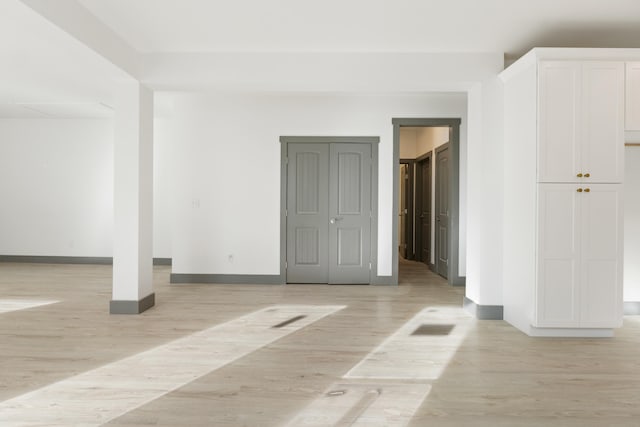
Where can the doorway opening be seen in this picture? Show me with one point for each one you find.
(426, 194)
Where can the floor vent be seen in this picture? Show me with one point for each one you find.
(288, 322)
(433, 329)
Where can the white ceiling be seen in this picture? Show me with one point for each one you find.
(45, 72)
(507, 26)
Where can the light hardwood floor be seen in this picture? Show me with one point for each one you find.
(495, 377)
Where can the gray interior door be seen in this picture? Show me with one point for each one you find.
(402, 215)
(350, 213)
(328, 213)
(442, 210)
(423, 202)
(307, 213)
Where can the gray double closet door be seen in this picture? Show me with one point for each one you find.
(329, 213)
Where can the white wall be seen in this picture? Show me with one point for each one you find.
(226, 154)
(408, 141)
(632, 224)
(428, 138)
(56, 187)
(162, 187)
(387, 73)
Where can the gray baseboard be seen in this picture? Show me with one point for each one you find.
(483, 312)
(37, 259)
(230, 279)
(252, 279)
(132, 307)
(383, 281)
(56, 259)
(459, 281)
(631, 308)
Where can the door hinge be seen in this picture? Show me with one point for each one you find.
(370, 267)
(286, 264)
(286, 213)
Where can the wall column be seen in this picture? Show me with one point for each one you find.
(485, 190)
(133, 200)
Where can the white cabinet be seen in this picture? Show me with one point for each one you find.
(564, 168)
(579, 256)
(581, 121)
(632, 96)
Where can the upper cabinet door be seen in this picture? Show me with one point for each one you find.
(602, 135)
(633, 96)
(559, 121)
(581, 121)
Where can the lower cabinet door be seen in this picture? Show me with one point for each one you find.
(601, 254)
(558, 257)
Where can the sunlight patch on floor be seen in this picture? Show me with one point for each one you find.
(8, 305)
(363, 405)
(411, 355)
(100, 395)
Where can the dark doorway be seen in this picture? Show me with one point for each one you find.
(423, 209)
(406, 213)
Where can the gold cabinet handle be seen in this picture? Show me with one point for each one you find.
(579, 190)
(586, 190)
(579, 175)
(587, 175)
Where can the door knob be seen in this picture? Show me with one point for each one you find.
(579, 175)
(579, 190)
(586, 190)
(334, 220)
(587, 175)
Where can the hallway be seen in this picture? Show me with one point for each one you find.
(322, 357)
